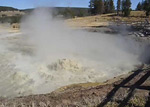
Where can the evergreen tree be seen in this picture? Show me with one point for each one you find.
(146, 7)
(139, 6)
(111, 6)
(106, 5)
(126, 7)
(118, 6)
(91, 6)
(123, 6)
(100, 7)
(96, 6)
(142, 4)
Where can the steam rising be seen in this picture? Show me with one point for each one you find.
(48, 54)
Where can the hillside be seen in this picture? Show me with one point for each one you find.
(72, 11)
(66, 12)
(5, 8)
(13, 15)
(105, 19)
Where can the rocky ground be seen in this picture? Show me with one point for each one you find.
(130, 90)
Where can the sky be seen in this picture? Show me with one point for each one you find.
(24, 4)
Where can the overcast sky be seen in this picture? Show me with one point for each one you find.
(23, 4)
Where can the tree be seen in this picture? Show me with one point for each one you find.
(139, 7)
(111, 6)
(96, 6)
(106, 6)
(91, 6)
(142, 4)
(126, 7)
(81, 13)
(118, 6)
(123, 5)
(68, 13)
(100, 7)
(146, 7)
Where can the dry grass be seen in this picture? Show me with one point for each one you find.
(103, 20)
(80, 85)
(134, 102)
(137, 101)
(137, 13)
(11, 13)
(90, 84)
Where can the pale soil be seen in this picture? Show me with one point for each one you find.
(89, 95)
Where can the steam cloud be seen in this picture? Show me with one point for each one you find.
(49, 55)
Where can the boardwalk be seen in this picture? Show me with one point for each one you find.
(131, 88)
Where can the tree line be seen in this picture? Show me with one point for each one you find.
(101, 6)
(5, 8)
(123, 6)
(107, 6)
(144, 6)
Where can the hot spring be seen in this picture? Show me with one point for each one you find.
(47, 55)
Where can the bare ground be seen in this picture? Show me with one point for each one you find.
(130, 90)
